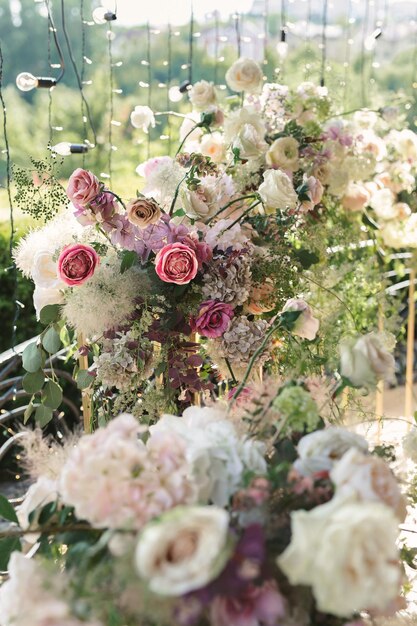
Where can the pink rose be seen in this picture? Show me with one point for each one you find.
(315, 193)
(77, 263)
(356, 197)
(176, 263)
(213, 318)
(253, 606)
(306, 325)
(83, 187)
(202, 249)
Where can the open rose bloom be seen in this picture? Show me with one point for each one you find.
(76, 264)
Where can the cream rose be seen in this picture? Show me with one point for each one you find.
(283, 153)
(370, 479)
(183, 550)
(318, 451)
(277, 191)
(202, 95)
(46, 295)
(366, 359)
(245, 75)
(45, 271)
(356, 197)
(240, 118)
(346, 551)
(212, 145)
(142, 117)
(249, 143)
(405, 143)
(382, 202)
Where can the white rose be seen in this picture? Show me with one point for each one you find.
(142, 117)
(195, 205)
(46, 295)
(38, 495)
(248, 142)
(183, 550)
(283, 153)
(367, 359)
(338, 179)
(370, 479)
(245, 75)
(212, 145)
(202, 95)
(401, 234)
(319, 451)
(277, 191)
(355, 197)
(188, 128)
(405, 143)
(306, 325)
(365, 119)
(382, 202)
(44, 271)
(240, 118)
(346, 551)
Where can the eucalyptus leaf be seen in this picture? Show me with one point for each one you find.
(49, 314)
(7, 546)
(33, 381)
(84, 379)
(52, 395)
(51, 341)
(43, 415)
(32, 357)
(7, 510)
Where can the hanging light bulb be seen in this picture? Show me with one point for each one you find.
(282, 46)
(25, 81)
(185, 86)
(174, 94)
(101, 15)
(370, 41)
(65, 148)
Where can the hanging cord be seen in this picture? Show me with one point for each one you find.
(50, 127)
(236, 18)
(347, 54)
(323, 45)
(363, 60)
(216, 46)
(148, 64)
(378, 31)
(53, 30)
(111, 99)
(414, 62)
(12, 268)
(169, 79)
(266, 33)
(307, 46)
(191, 47)
(82, 76)
(283, 35)
(76, 72)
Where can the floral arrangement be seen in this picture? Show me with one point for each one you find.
(257, 512)
(224, 265)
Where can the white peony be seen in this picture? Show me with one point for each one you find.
(245, 75)
(183, 550)
(346, 551)
(283, 153)
(202, 95)
(383, 203)
(366, 359)
(217, 455)
(277, 191)
(370, 479)
(43, 296)
(318, 451)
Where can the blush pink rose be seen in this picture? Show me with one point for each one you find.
(176, 263)
(77, 263)
(315, 193)
(213, 318)
(83, 187)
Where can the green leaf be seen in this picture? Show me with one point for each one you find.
(306, 258)
(7, 546)
(28, 411)
(43, 415)
(33, 381)
(288, 319)
(32, 358)
(52, 394)
(47, 512)
(179, 213)
(84, 379)
(51, 341)
(49, 314)
(128, 259)
(7, 511)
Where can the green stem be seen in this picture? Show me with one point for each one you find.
(229, 367)
(350, 112)
(332, 293)
(226, 206)
(240, 217)
(171, 209)
(186, 137)
(118, 198)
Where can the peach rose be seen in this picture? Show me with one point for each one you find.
(143, 211)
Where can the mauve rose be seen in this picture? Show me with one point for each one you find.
(253, 606)
(143, 211)
(77, 263)
(176, 263)
(213, 318)
(202, 249)
(83, 187)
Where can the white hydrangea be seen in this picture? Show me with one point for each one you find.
(106, 300)
(217, 454)
(162, 176)
(224, 237)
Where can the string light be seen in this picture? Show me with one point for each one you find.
(101, 15)
(282, 45)
(148, 64)
(216, 46)
(323, 44)
(363, 55)
(266, 19)
(307, 45)
(25, 81)
(236, 18)
(84, 62)
(349, 42)
(168, 84)
(64, 148)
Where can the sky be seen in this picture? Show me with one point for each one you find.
(175, 11)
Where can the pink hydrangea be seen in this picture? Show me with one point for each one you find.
(77, 263)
